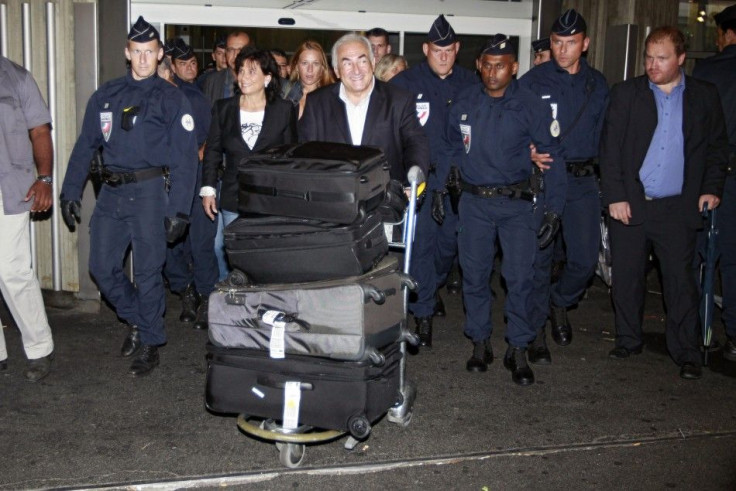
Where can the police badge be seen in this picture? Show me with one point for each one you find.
(422, 112)
(106, 124)
(465, 130)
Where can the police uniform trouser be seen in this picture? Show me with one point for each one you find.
(511, 221)
(20, 287)
(193, 258)
(673, 242)
(433, 252)
(582, 236)
(132, 215)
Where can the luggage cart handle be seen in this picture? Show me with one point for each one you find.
(266, 381)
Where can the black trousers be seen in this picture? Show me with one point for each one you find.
(673, 242)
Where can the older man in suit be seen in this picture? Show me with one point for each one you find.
(663, 157)
(361, 110)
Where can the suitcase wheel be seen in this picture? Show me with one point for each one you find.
(237, 278)
(359, 427)
(291, 455)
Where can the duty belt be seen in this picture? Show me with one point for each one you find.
(582, 168)
(118, 178)
(515, 191)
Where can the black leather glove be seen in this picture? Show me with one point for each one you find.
(71, 212)
(438, 207)
(175, 227)
(548, 230)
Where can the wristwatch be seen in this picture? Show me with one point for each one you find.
(46, 179)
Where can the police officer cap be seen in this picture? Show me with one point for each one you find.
(143, 32)
(441, 33)
(499, 44)
(169, 47)
(182, 51)
(725, 15)
(540, 45)
(569, 23)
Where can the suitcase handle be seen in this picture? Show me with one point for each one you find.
(266, 381)
(372, 293)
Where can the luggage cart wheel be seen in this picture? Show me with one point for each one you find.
(237, 278)
(291, 455)
(359, 427)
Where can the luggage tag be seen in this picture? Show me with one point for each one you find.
(277, 344)
(292, 399)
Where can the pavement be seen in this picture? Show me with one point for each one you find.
(588, 421)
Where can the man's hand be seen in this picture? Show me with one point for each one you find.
(548, 230)
(541, 160)
(71, 213)
(712, 200)
(209, 203)
(438, 207)
(175, 227)
(40, 193)
(620, 211)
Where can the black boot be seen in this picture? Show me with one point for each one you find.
(439, 305)
(515, 360)
(424, 331)
(132, 343)
(455, 280)
(561, 328)
(189, 304)
(202, 312)
(729, 350)
(482, 357)
(145, 362)
(538, 351)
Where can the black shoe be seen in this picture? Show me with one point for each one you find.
(729, 350)
(561, 328)
(515, 360)
(690, 371)
(189, 304)
(620, 353)
(424, 331)
(145, 362)
(132, 343)
(4, 364)
(482, 357)
(439, 305)
(202, 315)
(39, 368)
(538, 352)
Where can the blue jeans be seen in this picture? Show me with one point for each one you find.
(224, 218)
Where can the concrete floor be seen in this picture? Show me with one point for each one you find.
(588, 422)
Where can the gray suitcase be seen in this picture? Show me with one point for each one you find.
(348, 319)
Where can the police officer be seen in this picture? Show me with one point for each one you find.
(191, 265)
(721, 71)
(577, 96)
(435, 83)
(490, 128)
(146, 131)
(542, 52)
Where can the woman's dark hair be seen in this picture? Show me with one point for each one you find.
(268, 66)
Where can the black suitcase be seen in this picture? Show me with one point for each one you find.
(296, 250)
(331, 182)
(335, 395)
(348, 319)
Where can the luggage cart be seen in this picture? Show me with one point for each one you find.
(291, 442)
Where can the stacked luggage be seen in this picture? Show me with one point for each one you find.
(306, 332)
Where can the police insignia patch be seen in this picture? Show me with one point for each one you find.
(422, 112)
(106, 124)
(187, 122)
(554, 128)
(465, 130)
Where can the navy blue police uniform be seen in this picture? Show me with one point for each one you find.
(191, 266)
(146, 133)
(721, 71)
(577, 104)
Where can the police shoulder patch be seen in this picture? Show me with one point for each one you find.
(187, 122)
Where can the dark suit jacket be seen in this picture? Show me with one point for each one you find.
(627, 132)
(214, 85)
(391, 124)
(225, 138)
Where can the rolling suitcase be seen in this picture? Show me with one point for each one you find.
(296, 250)
(331, 182)
(347, 319)
(335, 395)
